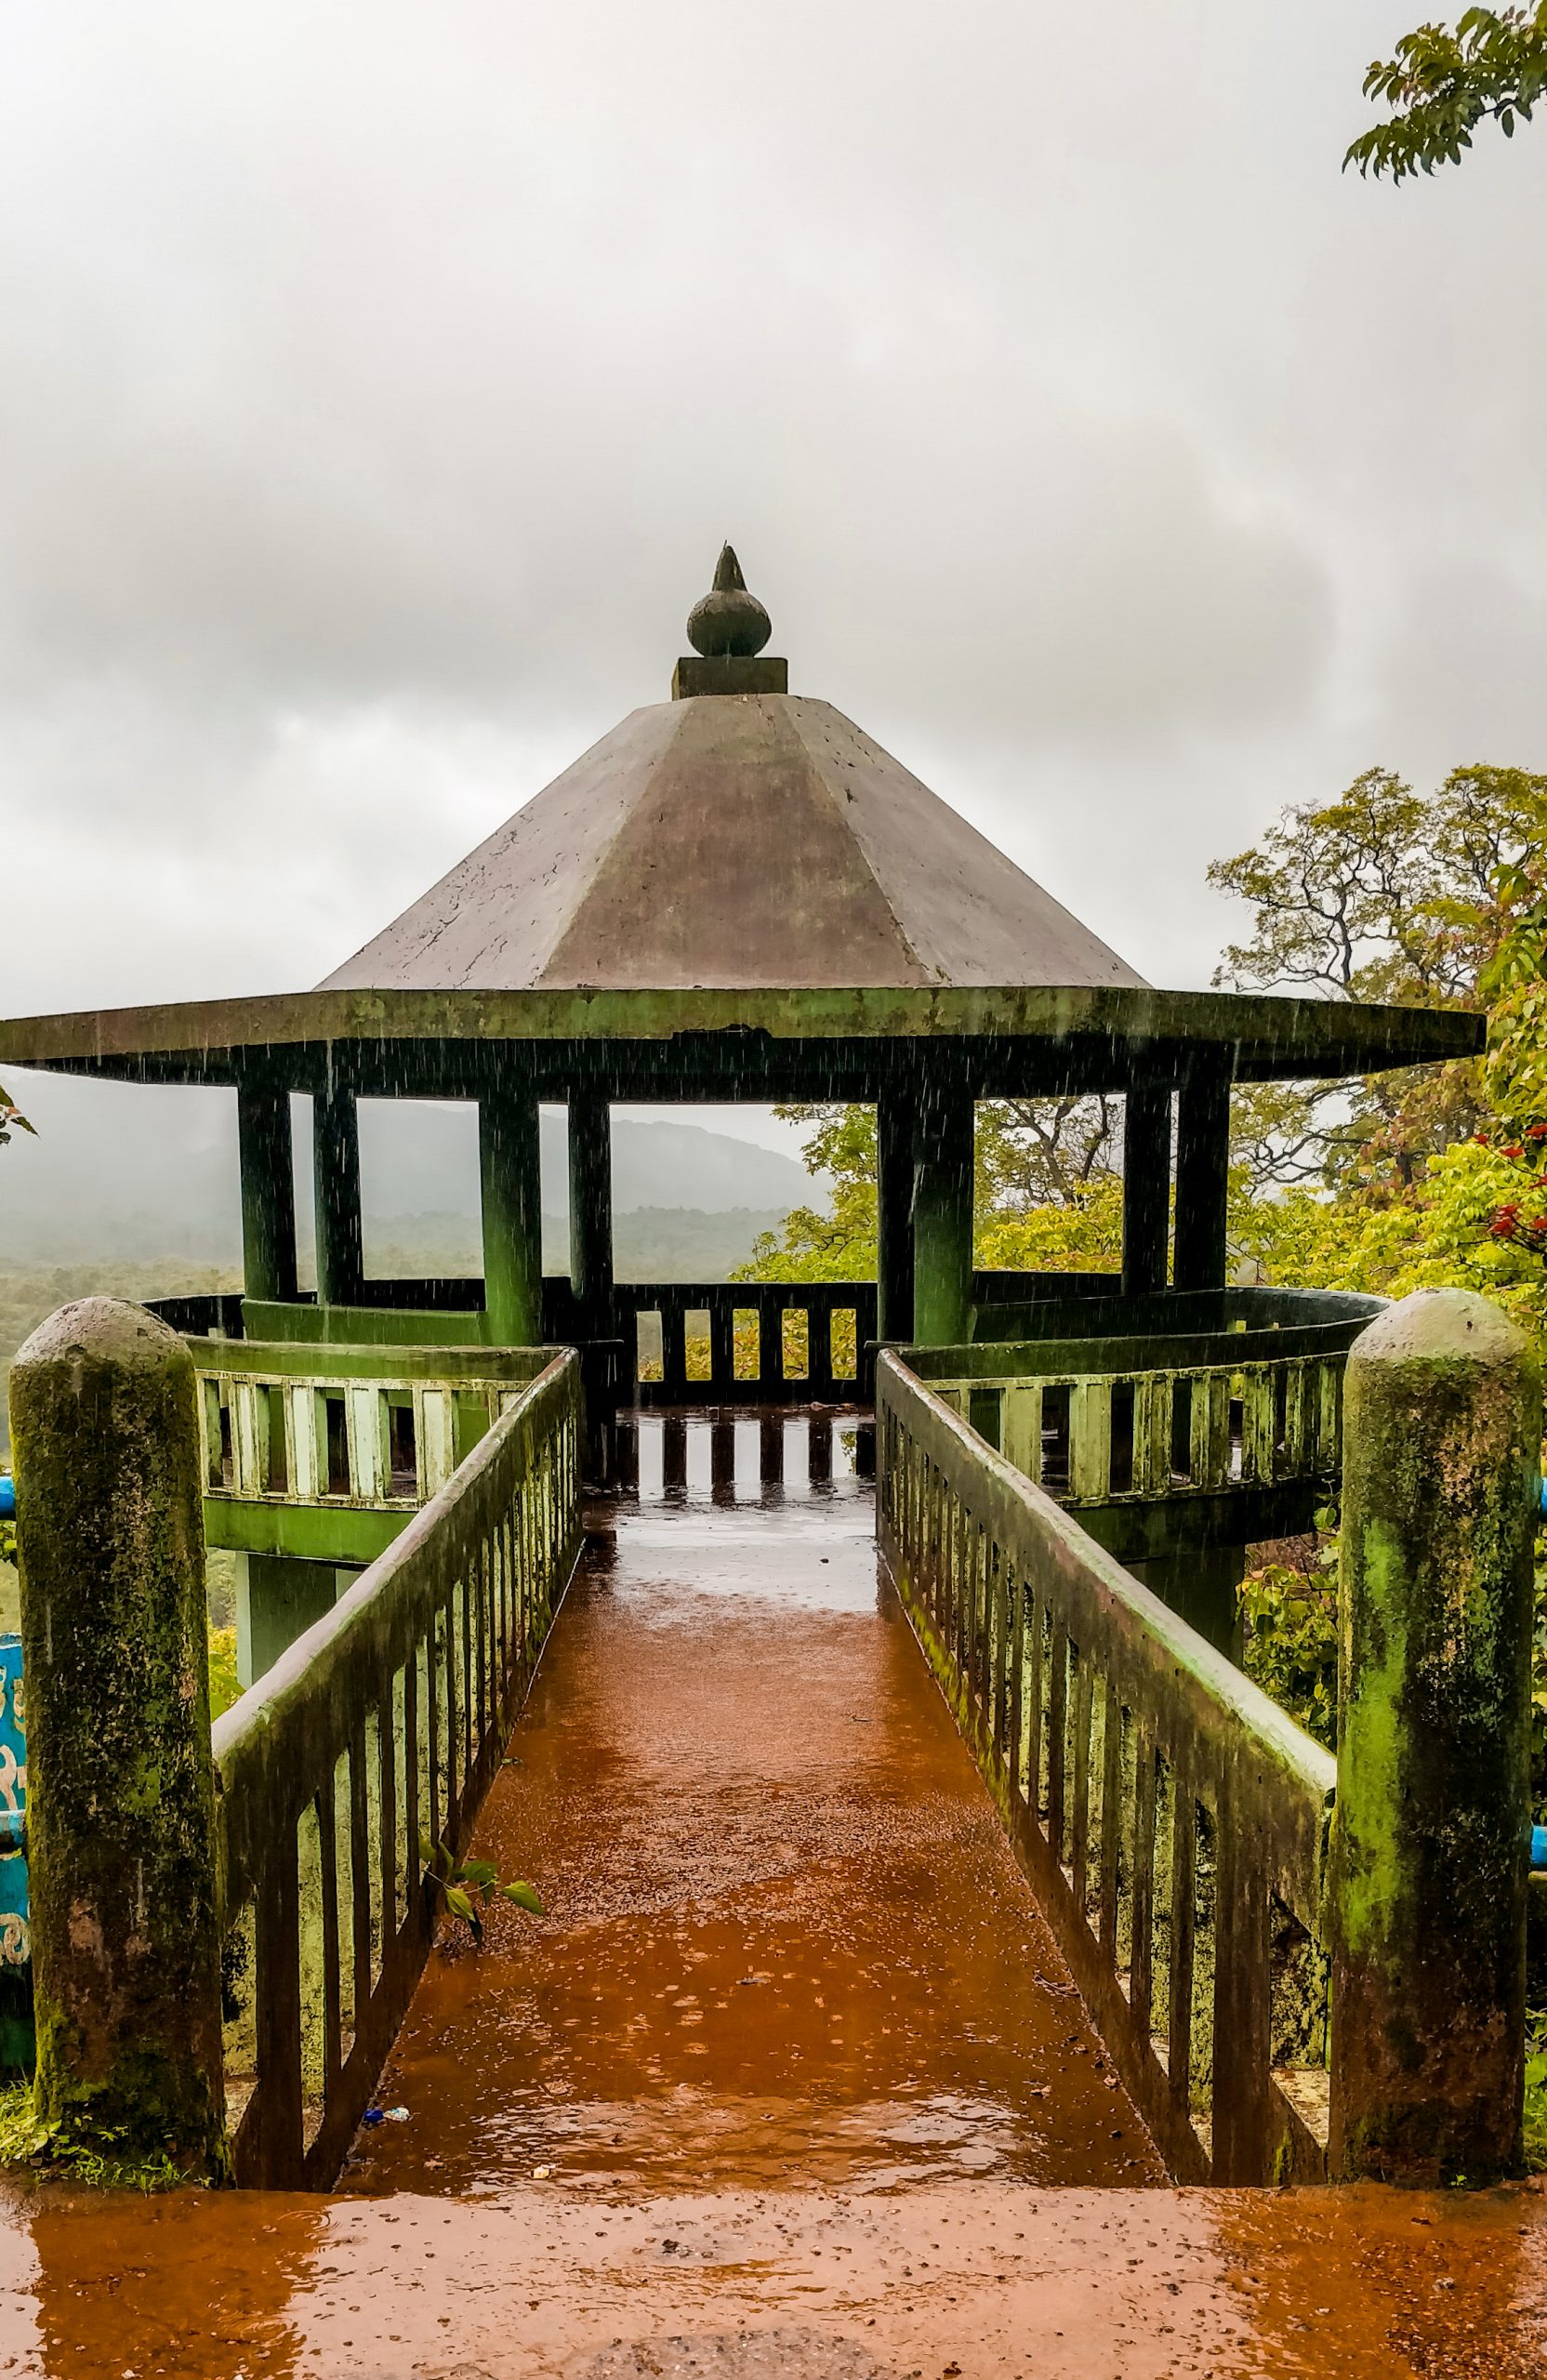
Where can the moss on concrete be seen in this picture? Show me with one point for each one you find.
(1441, 1445)
(121, 1826)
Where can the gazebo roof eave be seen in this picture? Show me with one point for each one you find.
(1267, 1037)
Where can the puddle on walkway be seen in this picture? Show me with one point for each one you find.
(785, 1940)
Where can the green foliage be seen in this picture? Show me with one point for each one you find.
(1443, 81)
(26, 2139)
(1034, 1153)
(8, 1541)
(29, 1294)
(467, 1886)
(1382, 894)
(224, 1688)
(1047, 1197)
(1438, 1235)
(808, 1245)
(1083, 1234)
(1515, 985)
(1291, 1639)
(1536, 2092)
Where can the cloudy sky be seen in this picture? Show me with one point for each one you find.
(377, 386)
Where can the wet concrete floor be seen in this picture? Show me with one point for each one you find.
(796, 2058)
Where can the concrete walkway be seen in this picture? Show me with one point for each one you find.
(780, 2086)
(785, 1940)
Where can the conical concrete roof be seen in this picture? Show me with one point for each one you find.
(733, 840)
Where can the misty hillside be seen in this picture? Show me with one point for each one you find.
(122, 1170)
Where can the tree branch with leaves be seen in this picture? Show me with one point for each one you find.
(1444, 81)
(11, 1119)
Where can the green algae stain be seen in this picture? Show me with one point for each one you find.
(1377, 1883)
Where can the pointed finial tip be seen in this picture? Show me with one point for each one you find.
(727, 620)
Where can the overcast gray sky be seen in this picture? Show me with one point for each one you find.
(377, 386)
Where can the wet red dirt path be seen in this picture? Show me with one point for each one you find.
(785, 1940)
(987, 2281)
(798, 2061)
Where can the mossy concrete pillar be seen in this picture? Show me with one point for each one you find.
(942, 1215)
(336, 1175)
(510, 1168)
(1442, 1432)
(590, 1209)
(120, 1817)
(1202, 1177)
(1146, 1187)
(266, 1156)
(896, 1127)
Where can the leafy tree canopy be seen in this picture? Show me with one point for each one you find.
(1443, 81)
(1048, 1195)
(1382, 894)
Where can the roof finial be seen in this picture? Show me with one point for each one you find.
(729, 620)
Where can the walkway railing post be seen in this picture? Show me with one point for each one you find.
(121, 1823)
(1441, 1440)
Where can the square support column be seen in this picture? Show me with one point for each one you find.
(896, 1129)
(1202, 1178)
(942, 1215)
(1146, 1188)
(511, 1169)
(335, 1176)
(590, 1209)
(277, 1600)
(265, 1155)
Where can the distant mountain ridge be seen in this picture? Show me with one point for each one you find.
(123, 1170)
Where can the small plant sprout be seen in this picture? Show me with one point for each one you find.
(466, 1885)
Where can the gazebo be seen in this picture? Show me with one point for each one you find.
(736, 895)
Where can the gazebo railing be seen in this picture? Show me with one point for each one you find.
(753, 1342)
(383, 1724)
(1163, 1398)
(1173, 1819)
(381, 1428)
(1103, 1438)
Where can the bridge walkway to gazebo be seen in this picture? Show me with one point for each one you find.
(784, 1940)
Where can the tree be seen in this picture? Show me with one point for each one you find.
(808, 1245)
(1441, 1236)
(1034, 1153)
(1515, 985)
(1383, 894)
(1444, 81)
(1048, 1193)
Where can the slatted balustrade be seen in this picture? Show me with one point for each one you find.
(384, 1724)
(755, 1342)
(1150, 1435)
(1174, 1822)
(381, 1428)
(1107, 1402)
